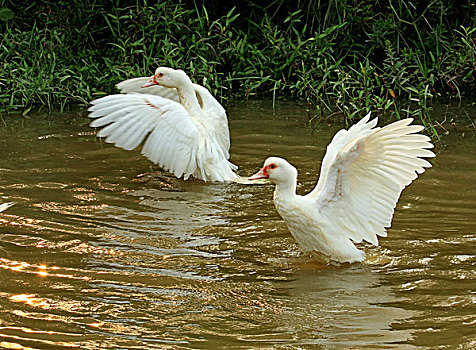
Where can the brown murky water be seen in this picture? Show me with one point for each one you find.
(97, 256)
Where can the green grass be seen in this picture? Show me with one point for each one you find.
(340, 57)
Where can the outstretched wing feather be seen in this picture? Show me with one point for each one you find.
(217, 117)
(364, 172)
(171, 135)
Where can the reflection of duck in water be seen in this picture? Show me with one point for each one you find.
(341, 307)
(362, 175)
(191, 218)
(184, 127)
(5, 206)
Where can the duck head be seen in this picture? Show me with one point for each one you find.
(277, 170)
(168, 77)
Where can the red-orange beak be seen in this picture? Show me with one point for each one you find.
(151, 82)
(261, 174)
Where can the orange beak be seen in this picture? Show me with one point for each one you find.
(261, 174)
(151, 82)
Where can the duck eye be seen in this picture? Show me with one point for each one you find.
(273, 166)
(161, 75)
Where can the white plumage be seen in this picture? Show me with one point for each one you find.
(184, 127)
(5, 206)
(362, 176)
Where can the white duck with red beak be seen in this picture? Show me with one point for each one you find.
(362, 175)
(184, 127)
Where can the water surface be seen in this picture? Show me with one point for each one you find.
(103, 252)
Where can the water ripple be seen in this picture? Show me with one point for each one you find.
(97, 255)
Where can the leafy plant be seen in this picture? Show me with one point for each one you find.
(339, 57)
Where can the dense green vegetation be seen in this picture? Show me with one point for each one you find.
(347, 56)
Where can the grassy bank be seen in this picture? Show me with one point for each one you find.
(393, 56)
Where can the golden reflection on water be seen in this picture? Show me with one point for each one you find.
(39, 270)
(9, 345)
(21, 266)
(31, 300)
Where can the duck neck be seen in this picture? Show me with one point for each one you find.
(285, 190)
(188, 98)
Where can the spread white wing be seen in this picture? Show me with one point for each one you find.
(217, 115)
(171, 135)
(363, 174)
(213, 109)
